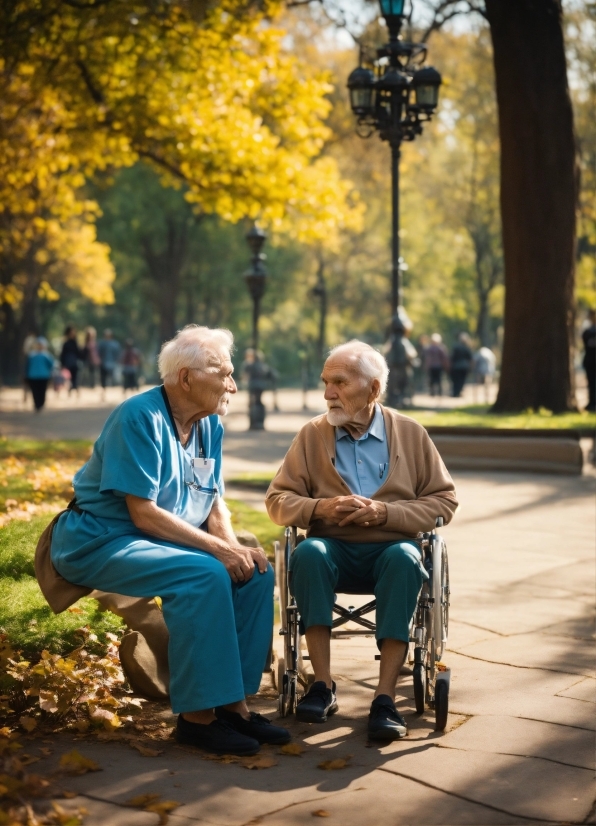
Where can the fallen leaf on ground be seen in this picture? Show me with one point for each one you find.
(162, 809)
(75, 610)
(82, 725)
(321, 813)
(69, 795)
(145, 751)
(142, 800)
(46, 752)
(64, 818)
(292, 748)
(261, 761)
(75, 763)
(338, 763)
(28, 723)
(27, 759)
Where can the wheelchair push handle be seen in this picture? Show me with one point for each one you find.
(439, 522)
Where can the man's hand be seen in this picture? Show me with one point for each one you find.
(370, 513)
(342, 510)
(239, 561)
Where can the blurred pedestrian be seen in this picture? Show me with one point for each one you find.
(401, 357)
(91, 355)
(39, 369)
(70, 356)
(109, 354)
(436, 361)
(589, 360)
(131, 361)
(485, 365)
(28, 347)
(461, 362)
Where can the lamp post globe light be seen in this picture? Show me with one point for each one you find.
(394, 98)
(256, 370)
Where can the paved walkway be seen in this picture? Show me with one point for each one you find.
(519, 747)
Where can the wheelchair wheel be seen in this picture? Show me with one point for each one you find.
(440, 587)
(419, 687)
(441, 704)
(282, 687)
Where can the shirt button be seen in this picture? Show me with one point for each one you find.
(359, 461)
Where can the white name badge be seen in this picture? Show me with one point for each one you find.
(203, 469)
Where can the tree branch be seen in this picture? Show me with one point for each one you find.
(95, 93)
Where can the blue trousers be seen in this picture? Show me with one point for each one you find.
(220, 632)
(392, 571)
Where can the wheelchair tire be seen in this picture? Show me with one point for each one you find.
(282, 687)
(441, 704)
(419, 687)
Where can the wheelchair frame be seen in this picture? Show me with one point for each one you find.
(428, 629)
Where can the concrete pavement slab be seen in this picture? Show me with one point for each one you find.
(526, 787)
(526, 738)
(229, 795)
(536, 651)
(479, 687)
(583, 690)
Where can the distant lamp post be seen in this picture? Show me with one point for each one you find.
(256, 277)
(395, 98)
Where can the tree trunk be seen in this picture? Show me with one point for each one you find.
(165, 268)
(538, 203)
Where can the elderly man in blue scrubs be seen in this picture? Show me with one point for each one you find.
(149, 519)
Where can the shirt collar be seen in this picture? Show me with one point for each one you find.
(376, 429)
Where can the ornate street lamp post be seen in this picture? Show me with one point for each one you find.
(255, 278)
(395, 98)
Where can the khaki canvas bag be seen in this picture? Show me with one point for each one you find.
(59, 593)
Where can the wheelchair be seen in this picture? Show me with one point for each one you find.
(428, 629)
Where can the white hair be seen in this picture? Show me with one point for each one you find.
(368, 361)
(193, 346)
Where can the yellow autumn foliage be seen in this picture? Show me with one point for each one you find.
(215, 101)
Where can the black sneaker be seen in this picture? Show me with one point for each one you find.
(319, 703)
(218, 737)
(258, 727)
(384, 721)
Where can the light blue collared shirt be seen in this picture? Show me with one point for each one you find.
(363, 463)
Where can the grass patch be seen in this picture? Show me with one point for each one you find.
(255, 481)
(35, 480)
(479, 416)
(249, 519)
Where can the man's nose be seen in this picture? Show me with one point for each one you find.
(231, 385)
(330, 392)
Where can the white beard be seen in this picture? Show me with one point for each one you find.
(337, 417)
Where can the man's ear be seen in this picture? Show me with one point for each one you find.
(375, 390)
(184, 378)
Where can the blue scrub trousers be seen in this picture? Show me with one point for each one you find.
(392, 571)
(220, 631)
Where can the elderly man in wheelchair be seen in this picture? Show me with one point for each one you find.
(365, 482)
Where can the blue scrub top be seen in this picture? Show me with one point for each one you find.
(138, 453)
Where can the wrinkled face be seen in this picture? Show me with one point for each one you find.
(211, 387)
(347, 392)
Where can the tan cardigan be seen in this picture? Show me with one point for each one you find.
(417, 489)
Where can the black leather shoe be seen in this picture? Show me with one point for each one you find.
(384, 721)
(257, 727)
(218, 737)
(319, 703)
